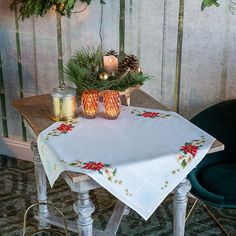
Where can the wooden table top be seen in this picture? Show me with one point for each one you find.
(36, 112)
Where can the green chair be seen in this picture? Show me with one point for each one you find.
(214, 179)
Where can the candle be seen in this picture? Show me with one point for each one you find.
(110, 63)
(69, 106)
(64, 103)
(111, 104)
(56, 106)
(90, 103)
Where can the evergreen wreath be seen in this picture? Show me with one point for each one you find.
(85, 66)
(30, 8)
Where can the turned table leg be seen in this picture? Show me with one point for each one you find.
(41, 185)
(84, 209)
(180, 205)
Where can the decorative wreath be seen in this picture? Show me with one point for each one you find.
(86, 70)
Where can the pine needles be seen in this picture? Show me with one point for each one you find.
(84, 67)
(30, 8)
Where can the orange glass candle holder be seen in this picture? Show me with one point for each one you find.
(112, 104)
(90, 103)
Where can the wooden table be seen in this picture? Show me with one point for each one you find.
(36, 113)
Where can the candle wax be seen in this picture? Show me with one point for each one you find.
(110, 63)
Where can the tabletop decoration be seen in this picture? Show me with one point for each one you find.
(91, 68)
(140, 174)
(112, 104)
(64, 103)
(90, 103)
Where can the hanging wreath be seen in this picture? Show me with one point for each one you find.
(28, 8)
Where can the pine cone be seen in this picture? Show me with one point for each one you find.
(130, 61)
(112, 52)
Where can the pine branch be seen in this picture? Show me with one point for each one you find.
(80, 71)
(30, 8)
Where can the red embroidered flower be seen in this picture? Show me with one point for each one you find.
(189, 148)
(94, 165)
(150, 114)
(64, 128)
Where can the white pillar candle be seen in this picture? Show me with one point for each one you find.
(69, 107)
(56, 106)
(110, 63)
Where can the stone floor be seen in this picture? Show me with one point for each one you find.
(17, 192)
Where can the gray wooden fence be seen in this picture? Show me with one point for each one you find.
(32, 52)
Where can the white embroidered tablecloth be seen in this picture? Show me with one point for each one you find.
(140, 157)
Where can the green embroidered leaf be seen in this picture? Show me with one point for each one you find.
(183, 164)
(72, 164)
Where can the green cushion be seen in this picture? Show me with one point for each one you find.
(220, 179)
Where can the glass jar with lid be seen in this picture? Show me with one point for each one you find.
(64, 103)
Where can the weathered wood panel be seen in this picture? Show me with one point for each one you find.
(170, 27)
(110, 25)
(3, 110)
(151, 31)
(85, 26)
(9, 68)
(147, 45)
(230, 56)
(208, 71)
(28, 55)
(46, 52)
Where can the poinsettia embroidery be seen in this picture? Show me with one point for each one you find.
(63, 128)
(104, 169)
(189, 150)
(150, 114)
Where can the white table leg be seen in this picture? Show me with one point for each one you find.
(180, 205)
(41, 185)
(84, 209)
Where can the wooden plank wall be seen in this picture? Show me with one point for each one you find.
(209, 54)
(32, 51)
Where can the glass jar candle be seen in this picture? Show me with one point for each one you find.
(112, 104)
(90, 103)
(64, 103)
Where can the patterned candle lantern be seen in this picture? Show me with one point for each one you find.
(90, 103)
(111, 104)
(64, 103)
